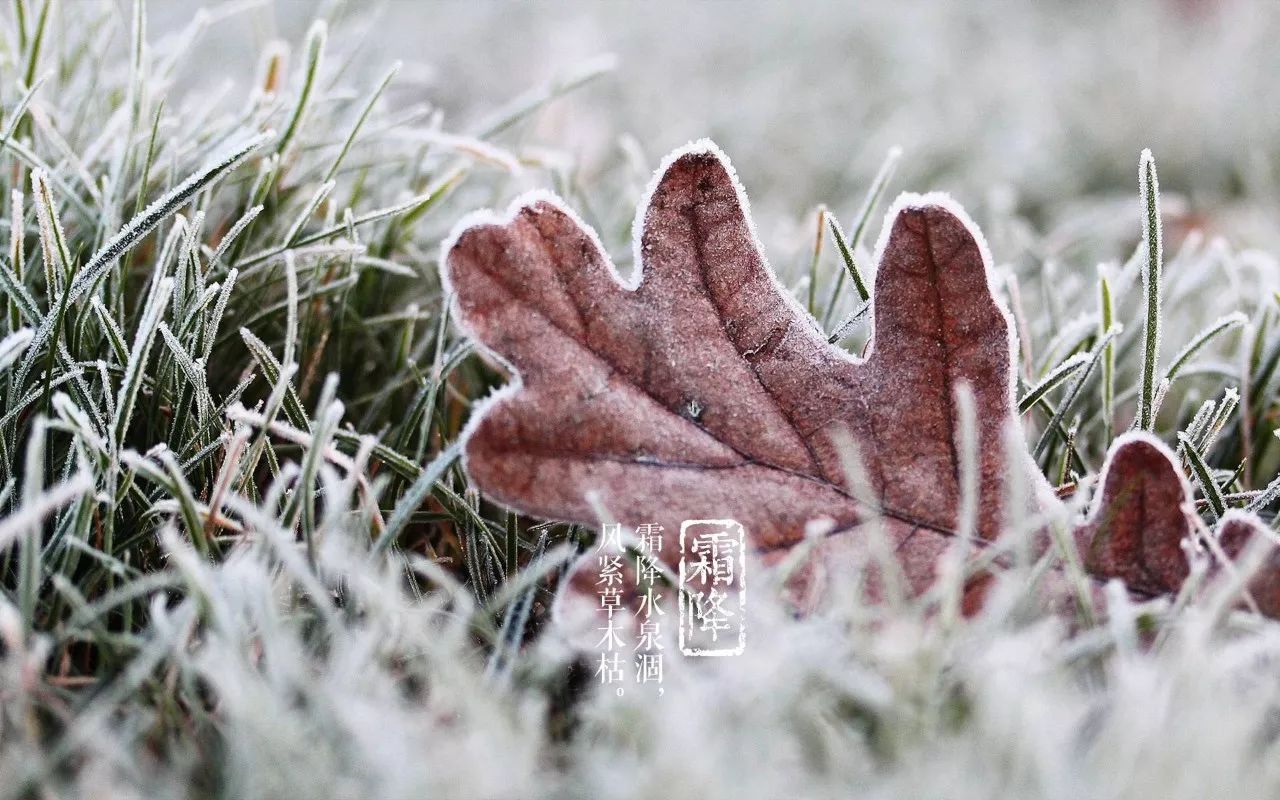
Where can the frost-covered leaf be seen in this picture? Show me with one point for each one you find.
(1237, 533)
(1139, 530)
(701, 390)
(1136, 527)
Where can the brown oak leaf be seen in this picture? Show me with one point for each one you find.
(701, 389)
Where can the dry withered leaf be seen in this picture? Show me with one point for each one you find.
(1236, 533)
(1137, 525)
(701, 389)
(1139, 530)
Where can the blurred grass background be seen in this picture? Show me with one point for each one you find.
(1045, 103)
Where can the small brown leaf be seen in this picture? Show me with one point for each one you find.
(1236, 532)
(1137, 524)
(701, 389)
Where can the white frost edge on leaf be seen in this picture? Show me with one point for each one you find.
(1247, 517)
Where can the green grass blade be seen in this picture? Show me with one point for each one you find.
(1055, 377)
(1153, 239)
(1204, 476)
(139, 354)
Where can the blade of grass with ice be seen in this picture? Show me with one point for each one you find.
(1153, 240)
